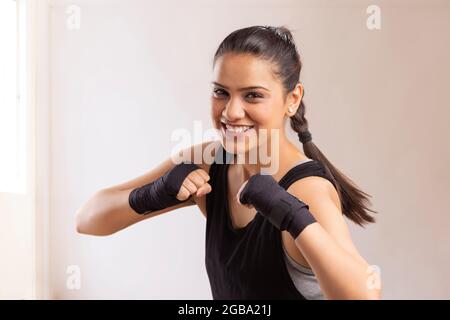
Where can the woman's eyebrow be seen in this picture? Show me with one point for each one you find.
(241, 89)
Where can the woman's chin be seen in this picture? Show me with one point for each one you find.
(237, 148)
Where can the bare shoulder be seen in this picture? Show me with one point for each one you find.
(315, 189)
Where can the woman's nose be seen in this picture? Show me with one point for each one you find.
(233, 111)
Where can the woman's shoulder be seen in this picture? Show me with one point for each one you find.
(316, 186)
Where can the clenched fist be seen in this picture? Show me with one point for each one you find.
(174, 187)
(195, 184)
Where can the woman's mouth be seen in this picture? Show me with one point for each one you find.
(231, 131)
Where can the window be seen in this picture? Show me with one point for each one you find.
(12, 98)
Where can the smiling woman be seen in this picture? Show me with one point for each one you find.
(268, 236)
(256, 89)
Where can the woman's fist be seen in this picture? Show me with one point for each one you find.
(282, 209)
(195, 184)
(174, 187)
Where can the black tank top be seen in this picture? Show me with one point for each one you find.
(247, 263)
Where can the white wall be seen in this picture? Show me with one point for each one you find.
(137, 70)
(120, 85)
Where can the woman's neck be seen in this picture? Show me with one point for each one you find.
(278, 163)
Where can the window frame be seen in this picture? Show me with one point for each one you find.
(16, 181)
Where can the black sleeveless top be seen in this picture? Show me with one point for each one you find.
(247, 263)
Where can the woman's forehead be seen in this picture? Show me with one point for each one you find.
(242, 70)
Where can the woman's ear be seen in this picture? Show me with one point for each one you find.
(294, 100)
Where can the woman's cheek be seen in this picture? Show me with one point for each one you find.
(216, 112)
(260, 117)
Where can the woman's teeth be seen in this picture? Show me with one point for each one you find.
(237, 129)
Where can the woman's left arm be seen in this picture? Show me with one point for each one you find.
(327, 246)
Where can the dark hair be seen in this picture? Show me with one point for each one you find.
(276, 44)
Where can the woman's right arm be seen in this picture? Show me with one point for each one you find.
(108, 210)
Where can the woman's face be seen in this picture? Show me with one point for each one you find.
(248, 106)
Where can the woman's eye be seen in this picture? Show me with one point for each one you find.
(250, 95)
(218, 92)
(254, 95)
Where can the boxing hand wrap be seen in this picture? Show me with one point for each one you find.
(282, 209)
(161, 193)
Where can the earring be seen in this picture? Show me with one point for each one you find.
(290, 109)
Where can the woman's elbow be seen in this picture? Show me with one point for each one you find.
(88, 221)
(372, 293)
(84, 226)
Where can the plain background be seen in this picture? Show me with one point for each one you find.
(376, 101)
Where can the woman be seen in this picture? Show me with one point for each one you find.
(268, 236)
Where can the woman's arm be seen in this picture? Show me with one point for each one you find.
(327, 246)
(108, 210)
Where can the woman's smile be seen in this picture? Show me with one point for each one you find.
(232, 131)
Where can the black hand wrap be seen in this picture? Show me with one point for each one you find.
(282, 209)
(161, 193)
